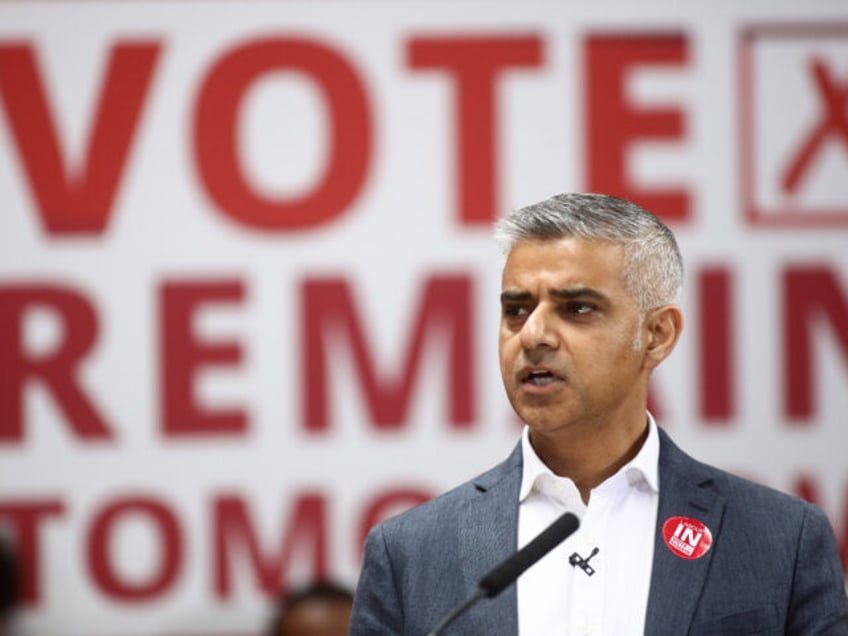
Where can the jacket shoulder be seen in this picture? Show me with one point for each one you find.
(454, 501)
(757, 500)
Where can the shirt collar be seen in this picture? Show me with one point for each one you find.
(533, 467)
(640, 472)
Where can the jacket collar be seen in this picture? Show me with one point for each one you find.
(488, 535)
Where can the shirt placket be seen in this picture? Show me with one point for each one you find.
(587, 600)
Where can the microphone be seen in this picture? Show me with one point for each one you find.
(506, 572)
(578, 561)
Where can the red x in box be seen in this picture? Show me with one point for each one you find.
(793, 128)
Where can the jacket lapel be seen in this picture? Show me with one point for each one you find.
(677, 582)
(489, 534)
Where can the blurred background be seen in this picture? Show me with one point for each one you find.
(249, 296)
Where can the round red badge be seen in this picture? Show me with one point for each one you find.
(686, 537)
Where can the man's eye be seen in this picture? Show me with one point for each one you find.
(580, 309)
(514, 311)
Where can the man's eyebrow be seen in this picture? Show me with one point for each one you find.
(563, 293)
(515, 296)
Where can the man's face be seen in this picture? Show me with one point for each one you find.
(570, 335)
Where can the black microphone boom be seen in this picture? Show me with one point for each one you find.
(513, 567)
(506, 572)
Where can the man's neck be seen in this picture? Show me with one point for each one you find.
(591, 455)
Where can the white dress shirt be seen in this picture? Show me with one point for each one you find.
(556, 598)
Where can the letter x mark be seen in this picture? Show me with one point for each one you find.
(834, 121)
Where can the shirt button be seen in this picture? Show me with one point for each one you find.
(586, 630)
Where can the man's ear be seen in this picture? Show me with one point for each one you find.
(664, 326)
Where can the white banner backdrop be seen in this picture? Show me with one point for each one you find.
(248, 294)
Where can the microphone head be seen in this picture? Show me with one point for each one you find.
(509, 570)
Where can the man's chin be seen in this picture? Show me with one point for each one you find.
(542, 420)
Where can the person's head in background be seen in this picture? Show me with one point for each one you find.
(320, 609)
(9, 584)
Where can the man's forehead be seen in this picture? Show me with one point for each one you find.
(564, 262)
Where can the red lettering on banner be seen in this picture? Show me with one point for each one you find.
(445, 310)
(716, 345)
(811, 295)
(26, 518)
(383, 506)
(58, 370)
(475, 63)
(305, 536)
(75, 200)
(613, 124)
(183, 356)
(216, 138)
(833, 123)
(805, 487)
(98, 545)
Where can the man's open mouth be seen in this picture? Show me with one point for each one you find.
(540, 377)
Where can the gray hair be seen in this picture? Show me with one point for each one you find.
(653, 267)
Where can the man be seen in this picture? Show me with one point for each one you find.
(666, 545)
(320, 609)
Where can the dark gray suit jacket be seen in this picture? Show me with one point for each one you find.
(773, 566)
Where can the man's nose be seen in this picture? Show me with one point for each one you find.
(537, 331)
